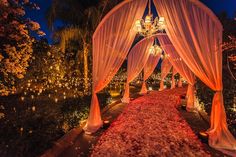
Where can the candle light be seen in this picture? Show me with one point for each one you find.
(56, 100)
(33, 108)
(22, 98)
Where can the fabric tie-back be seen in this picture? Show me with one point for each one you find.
(148, 70)
(137, 59)
(111, 43)
(181, 67)
(165, 69)
(196, 34)
(174, 72)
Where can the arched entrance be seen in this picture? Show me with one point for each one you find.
(196, 35)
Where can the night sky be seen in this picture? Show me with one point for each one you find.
(39, 15)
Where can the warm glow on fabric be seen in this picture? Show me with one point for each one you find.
(111, 43)
(196, 34)
(137, 59)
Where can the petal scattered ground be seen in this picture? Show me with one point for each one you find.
(150, 126)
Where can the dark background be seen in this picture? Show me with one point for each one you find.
(217, 6)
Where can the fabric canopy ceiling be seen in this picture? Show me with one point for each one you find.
(196, 34)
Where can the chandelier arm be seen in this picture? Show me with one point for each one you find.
(156, 20)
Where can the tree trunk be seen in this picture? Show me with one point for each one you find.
(86, 79)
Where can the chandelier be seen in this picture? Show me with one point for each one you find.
(149, 26)
(155, 50)
(165, 56)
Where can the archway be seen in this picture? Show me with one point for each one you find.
(196, 35)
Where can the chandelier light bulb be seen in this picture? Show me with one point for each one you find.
(162, 56)
(148, 20)
(152, 50)
(149, 25)
(138, 25)
(155, 50)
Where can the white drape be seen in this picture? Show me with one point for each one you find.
(181, 67)
(111, 43)
(148, 70)
(196, 34)
(137, 59)
(165, 69)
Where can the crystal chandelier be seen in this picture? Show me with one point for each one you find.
(155, 50)
(149, 26)
(165, 56)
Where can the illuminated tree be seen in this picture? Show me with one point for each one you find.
(230, 46)
(15, 43)
(80, 22)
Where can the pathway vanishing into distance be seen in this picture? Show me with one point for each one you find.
(151, 126)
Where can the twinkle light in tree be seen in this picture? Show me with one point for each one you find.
(234, 105)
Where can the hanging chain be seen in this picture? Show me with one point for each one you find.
(149, 11)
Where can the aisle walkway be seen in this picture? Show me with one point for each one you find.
(150, 126)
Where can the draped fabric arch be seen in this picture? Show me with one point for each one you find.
(196, 34)
(180, 83)
(174, 72)
(165, 69)
(137, 59)
(148, 70)
(111, 43)
(181, 67)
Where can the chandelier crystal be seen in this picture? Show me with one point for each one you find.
(150, 26)
(155, 50)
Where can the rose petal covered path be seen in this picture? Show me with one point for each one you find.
(151, 126)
